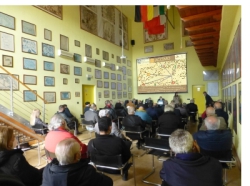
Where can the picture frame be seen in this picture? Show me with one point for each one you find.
(129, 63)
(77, 94)
(48, 50)
(105, 55)
(124, 86)
(99, 95)
(98, 74)
(106, 84)
(149, 49)
(113, 94)
(112, 55)
(7, 21)
(119, 77)
(99, 84)
(50, 97)
(88, 50)
(188, 43)
(97, 51)
(239, 97)
(124, 70)
(49, 81)
(28, 28)
(124, 94)
(124, 60)
(29, 64)
(184, 31)
(65, 95)
(7, 61)
(29, 79)
(7, 42)
(106, 75)
(129, 72)
(113, 85)
(124, 77)
(106, 93)
(48, 66)
(77, 58)
(129, 95)
(77, 80)
(64, 69)
(5, 82)
(112, 67)
(29, 96)
(55, 10)
(64, 42)
(113, 76)
(88, 69)
(78, 71)
(77, 43)
(119, 86)
(47, 34)
(118, 59)
(168, 46)
(29, 46)
(119, 95)
(65, 81)
(98, 63)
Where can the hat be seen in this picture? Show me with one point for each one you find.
(103, 113)
(87, 103)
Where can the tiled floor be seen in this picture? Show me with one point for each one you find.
(143, 165)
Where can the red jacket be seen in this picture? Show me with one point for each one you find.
(55, 136)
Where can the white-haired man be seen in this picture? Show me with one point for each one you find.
(91, 114)
(69, 169)
(58, 132)
(188, 167)
(192, 110)
(220, 112)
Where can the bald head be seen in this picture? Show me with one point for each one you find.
(131, 110)
(212, 123)
(217, 105)
(210, 111)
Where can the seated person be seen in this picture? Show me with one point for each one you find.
(214, 139)
(58, 132)
(91, 114)
(143, 115)
(210, 111)
(13, 162)
(140, 103)
(112, 112)
(37, 123)
(169, 121)
(152, 112)
(220, 112)
(159, 110)
(71, 122)
(69, 169)
(188, 167)
(182, 109)
(131, 104)
(192, 109)
(87, 107)
(120, 110)
(106, 144)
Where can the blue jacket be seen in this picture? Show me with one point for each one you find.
(143, 115)
(152, 113)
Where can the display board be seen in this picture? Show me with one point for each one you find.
(161, 74)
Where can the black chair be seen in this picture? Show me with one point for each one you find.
(89, 126)
(106, 163)
(9, 180)
(42, 131)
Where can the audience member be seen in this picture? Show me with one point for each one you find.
(152, 112)
(182, 109)
(140, 103)
(67, 111)
(192, 110)
(209, 100)
(176, 98)
(220, 112)
(69, 169)
(161, 102)
(87, 107)
(106, 144)
(37, 123)
(111, 110)
(13, 162)
(120, 110)
(158, 109)
(188, 167)
(143, 115)
(91, 114)
(130, 103)
(58, 132)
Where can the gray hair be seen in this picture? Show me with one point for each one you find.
(93, 106)
(56, 121)
(212, 123)
(210, 111)
(181, 141)
(66, 151)
(192, 101)
(168, 108)
(131, 110)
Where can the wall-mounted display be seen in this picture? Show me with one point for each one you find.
(118, 59)
(124, 70)
(168, 46)
(124, 60)
(65, 95)
(77, 94)
(29, 64)
(113, 85)
(88, 69)
(64, 69)
(77, 43)
(97, 51)
(124, 86)
(50, 97)
(188, 43)
(106, 75)
(148, 49)
(7, 21)
(88, 50)
(124, 77)
(65, 81)
(213, 88)
(49, 81)
(48, 50)
(106, 84)
(113, 76)
(28, 28)
(119, 86)
(64, 42)
(77, 58)
(119, 95)
(99, 95)
(49, 66)
(29, 46)
(98, 63)
(129, 72)
(112, 67)
(106, 93)
(239, 90)
(7, 61)
(210, 75)
(124, 94)
(5, 82)
(47, 34)
(77, 80)
(113, 94)
(98, 74)
(234, 109)
(99, 84)
(129, 95)
(29, 96)
(29, 79)
(78, 71)
(105, 55)
(55, 10)
(129, 63)
(119, 77)
(7, 42)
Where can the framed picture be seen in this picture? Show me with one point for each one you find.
(113, 76)
(77, 58)
(99, 95)
(7, 42)
(106, 75)
(129, 72)
(105, 55)
(124, 60)
(113, 85)
(119, 86)
(77, 94)
(106, 84)
(112, 55)
(118, 59)
(50, 97)
(48, 50)
(98, 74)
(65, 95)
(239, 105)
(29, 79)
(168, 46)
(129, 63)
(112, 67)
(49, 66)
(28, 28)
(78, 71)
(64, 69)
(7, 21)
(88, 69)
(5, 82)
(97, 51)
(88, 50)
(47, 34)
(77, 43)
(64, 42)
(29, 64)
(119, 95)
(55, 10)
(98, 63)
(113, 94)
(49, 81)
(77, 80)
(99, 83)
(29, 46)
(124, 77)
(106, 93)
(188, 43)
(124, 86)
(148, 49)
(29, 96)
(119, 77)
(124, 70)
(124, 94)
(7, 61)
(129, 95)
(65, 81)
(210, 75)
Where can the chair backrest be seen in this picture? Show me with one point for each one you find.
(85, 122)
(134, 128)
(224, 155)
(157, 143)
(9, 180)
(50, 155)
(101, 160)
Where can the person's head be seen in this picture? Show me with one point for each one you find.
(104, 113)
(118, 105)
(64, 106)
(87, 104)
(181, 141)
(7, 138)
(141, 107)
(56, 122)
(212, 123)
(61, 108)
(68, 151)
(155, 105)
(168, 108)
(184, 105)
(105, 125)
(35, 114)
(192, 101)
(204, 93)
(176, 94)
(217, 105)
(210, 111)
(150, 105)
(160, 97)
(93, 106)
(131, 110)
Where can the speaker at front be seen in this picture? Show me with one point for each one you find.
(132, 42)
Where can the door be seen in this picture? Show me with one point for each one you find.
(88, 94)
(199, 98)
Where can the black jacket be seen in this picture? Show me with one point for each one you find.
(191, 107)
(133, 121)
(169, 122)
(76, 174)
(222, 113)
(12, 162)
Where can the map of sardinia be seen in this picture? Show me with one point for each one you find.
(162, 74)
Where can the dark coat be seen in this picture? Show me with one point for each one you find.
(192, 169)
(76, 174)
(222, 113)
(12, 162)
(152, 113)
(169, 122)
(121, 112)
(209, 100)
(191, 107)
(133, 121)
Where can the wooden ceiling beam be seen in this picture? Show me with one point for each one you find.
(201, 16)
(182, 7)
(196, 42)
(195, 36)
(203, 26)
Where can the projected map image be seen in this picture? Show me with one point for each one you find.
(162, 74)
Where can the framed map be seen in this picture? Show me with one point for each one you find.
(7, 21)
(29, 96)
(55, 10)
(50, 97)
(5, 82)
